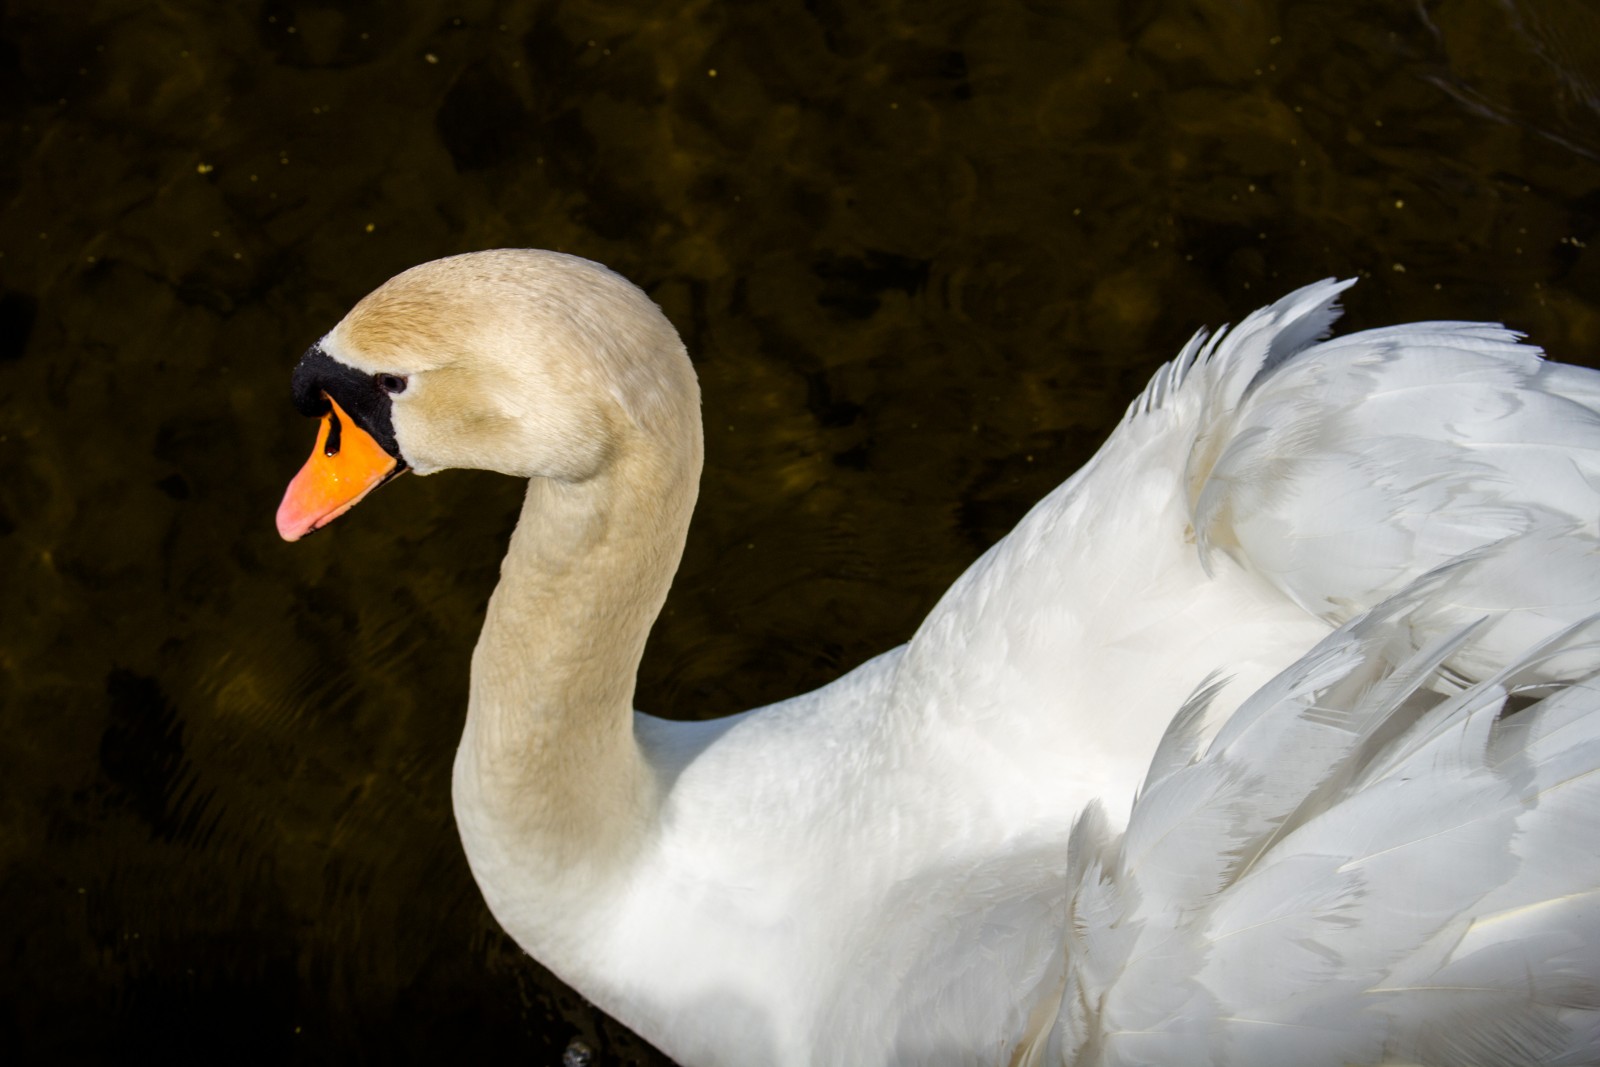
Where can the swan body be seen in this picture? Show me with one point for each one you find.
(1270, 736)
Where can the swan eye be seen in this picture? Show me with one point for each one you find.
(390, 383)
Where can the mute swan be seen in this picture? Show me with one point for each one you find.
(1326, 599)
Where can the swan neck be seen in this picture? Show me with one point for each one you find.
(549, 775)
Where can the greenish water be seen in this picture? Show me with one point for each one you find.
(923, 256)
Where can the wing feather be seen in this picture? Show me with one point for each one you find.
(1415, 878)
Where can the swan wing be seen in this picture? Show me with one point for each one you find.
(1357, 869)
(1342, 470)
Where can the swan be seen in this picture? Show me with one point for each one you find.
(1270, 736)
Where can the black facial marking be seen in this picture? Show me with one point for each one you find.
(363, 399)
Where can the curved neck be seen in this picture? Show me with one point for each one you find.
(551, 788)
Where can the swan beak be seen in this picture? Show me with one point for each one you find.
(345, 466)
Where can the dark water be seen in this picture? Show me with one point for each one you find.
(923, 257)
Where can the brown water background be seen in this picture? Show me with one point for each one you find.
(923, 256)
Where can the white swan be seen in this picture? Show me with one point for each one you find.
(1350, 846)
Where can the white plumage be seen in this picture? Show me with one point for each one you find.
(1333, 596)
(1345, 878)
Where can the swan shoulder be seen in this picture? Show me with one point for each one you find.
(1110, 564)
(1356, 870)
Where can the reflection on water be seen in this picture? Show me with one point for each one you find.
(923, 256)
(1560, 36)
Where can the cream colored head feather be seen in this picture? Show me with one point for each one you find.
(526, 362)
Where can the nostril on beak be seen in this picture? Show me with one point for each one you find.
(330, 447)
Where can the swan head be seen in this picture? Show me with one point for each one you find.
(534, 364)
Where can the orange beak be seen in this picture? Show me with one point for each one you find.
(346, 465)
